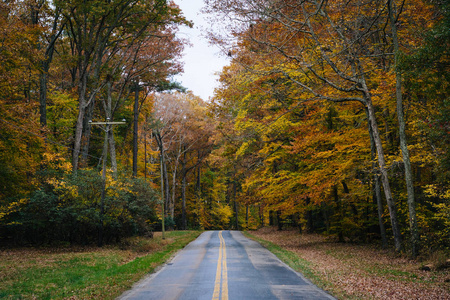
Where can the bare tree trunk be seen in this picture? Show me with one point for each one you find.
(48, 57)
(43, 94)
(167, 187)
(145, 152)
(79, 125)
(164, 178)
(183, 193)
(403, 144)
(246, 216)
(261, 215)
(384, 175)
(86, 136)
(135, 129)
(377, 188)
(235, 204)
(174, 183)
(163, 214)
(340, 213)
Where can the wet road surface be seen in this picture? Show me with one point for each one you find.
(221, 265)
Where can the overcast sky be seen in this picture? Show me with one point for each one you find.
(201, 61)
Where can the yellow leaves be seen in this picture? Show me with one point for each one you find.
(11, 208)
(55, 161)
(242, 149)
(432, 190)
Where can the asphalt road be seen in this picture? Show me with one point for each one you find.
(225, 265)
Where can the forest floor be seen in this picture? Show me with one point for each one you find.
(356, 271)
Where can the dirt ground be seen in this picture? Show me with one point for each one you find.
(355, 271)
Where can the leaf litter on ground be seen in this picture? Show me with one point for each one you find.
(361, 271)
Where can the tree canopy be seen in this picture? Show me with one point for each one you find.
(332, 117)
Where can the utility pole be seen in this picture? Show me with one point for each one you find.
(106, 127)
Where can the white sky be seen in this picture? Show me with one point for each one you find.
(201, 61)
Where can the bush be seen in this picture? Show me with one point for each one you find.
(68, 209)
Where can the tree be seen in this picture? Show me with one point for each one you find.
(393, 17)
(97, 30)
(321, 48)
(181, 132)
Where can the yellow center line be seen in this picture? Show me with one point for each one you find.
(224, 271)
(221, 272)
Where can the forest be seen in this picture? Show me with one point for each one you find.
(332, 117)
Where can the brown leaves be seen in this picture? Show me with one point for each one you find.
(361, 271)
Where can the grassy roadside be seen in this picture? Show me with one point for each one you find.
(85, 273)
(350, 271)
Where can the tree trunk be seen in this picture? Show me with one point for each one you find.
(135, 129)
(246, 216)
(377, 188)
(183, 193)
(235, 205)
(86, 135)
(86, 139)
(279, 220)
(261, 215)
(340, 214)
(48, 57)
(384, 175)
(79, 126)
(174, 183)
(145, 153)
(402, 134)
(167, 187)
(163, 214)
(43, 77)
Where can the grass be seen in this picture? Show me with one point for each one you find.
(355, 271)
(84, 273)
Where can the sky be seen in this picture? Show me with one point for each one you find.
(201, 60)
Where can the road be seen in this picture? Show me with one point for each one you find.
(221, 265)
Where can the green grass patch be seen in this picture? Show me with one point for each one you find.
(95, 273)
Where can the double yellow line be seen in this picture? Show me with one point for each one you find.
(221, 272)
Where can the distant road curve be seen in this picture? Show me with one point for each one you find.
(221, 265)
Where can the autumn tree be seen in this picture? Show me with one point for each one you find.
(98, 31)
(330, 51)
(181, 130)
(20, 145)
(426, 78)
(322, 52)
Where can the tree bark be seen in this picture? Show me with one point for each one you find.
(43, 77)
(246, 216)
(384, 175)
(183, 193)
(402, 134)
(79, 125)
(163, 214)
(167, 187)
(135, 129)
(235, 205)
(174, 184)
(377, 188)
(340, 214)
